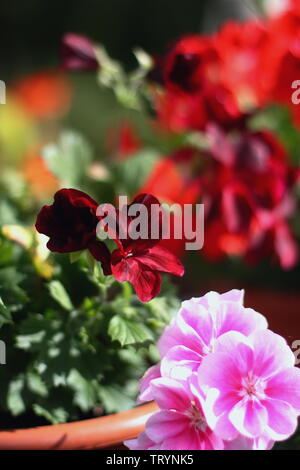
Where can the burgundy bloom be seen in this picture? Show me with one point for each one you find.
(78, 53)
(140, 261)
(70, 223)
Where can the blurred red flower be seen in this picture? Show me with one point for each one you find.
(172, 182)
(194, 93)
(248, 199)
(240, 48)
(281, 54)
(45, 94)
(41, 181)
(123, 140)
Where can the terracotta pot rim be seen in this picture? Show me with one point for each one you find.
(96, 433)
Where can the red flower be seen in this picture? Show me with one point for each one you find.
(240, 48)
(282, 59)
(140, 261)
(123, 141)
(45, 94)
(247, 194)
(191, 65)
(172, 182)
(71, 222)
(194, 94)
(78, 53)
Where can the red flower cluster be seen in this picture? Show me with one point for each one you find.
(215, 84)
(224, 77)
(71, 222)
(246, 190)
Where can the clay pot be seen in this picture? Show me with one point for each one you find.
(99, 433)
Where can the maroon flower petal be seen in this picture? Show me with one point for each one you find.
(146, 283)
(160, 259)
(70, 222)
(101, 253)
(45, 222)
(75, 197)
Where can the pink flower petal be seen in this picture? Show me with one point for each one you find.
(285, 386)
(282, 419)
(186, 440)
(271, 352)
(170, 394)
(180, 362)
(145, 389)
(166, 424)
(249, 417)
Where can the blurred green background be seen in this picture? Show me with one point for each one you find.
(31, 33)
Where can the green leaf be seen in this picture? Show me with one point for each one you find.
(36, 384)
(114, 399)
(75, 256)
(6, 251)
(85, 396)
(59, 293)
(69, 158)
(11, 293)
(15, 402)
(54, 416)
(26, 341)
(131, 174)
(5, 316)
(128, 331)
(8, 214)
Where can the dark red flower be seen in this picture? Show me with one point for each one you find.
(194, 94)
(78, 53)
(191, 64)
(140, 261)
(247, 191)
(70, 223)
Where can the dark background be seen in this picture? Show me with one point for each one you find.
(31, 30)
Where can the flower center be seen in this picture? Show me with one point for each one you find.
(252, 387)
(197, 418)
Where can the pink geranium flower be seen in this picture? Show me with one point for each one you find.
(252, 387)
(194, 331)
(181, 425)
(142, 442)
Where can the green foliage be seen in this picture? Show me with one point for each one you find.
(59, 293)
(130, 175)
(68, 159)
(77, 343)
(127, 331)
